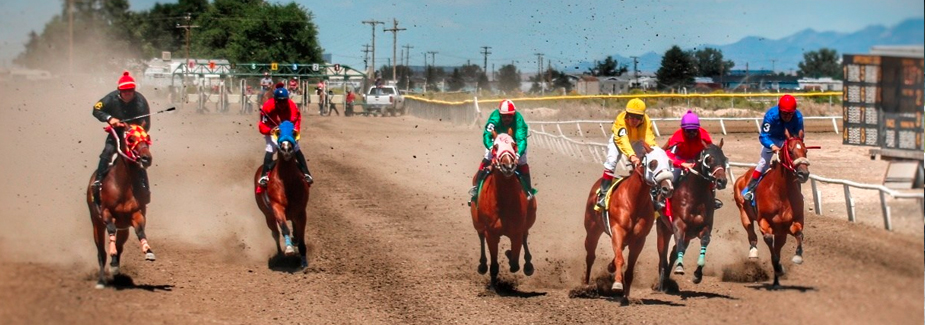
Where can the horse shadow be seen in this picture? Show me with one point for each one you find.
(508, 288)
(125, 282)
(772, 287)
(288, 264)
(600, 289)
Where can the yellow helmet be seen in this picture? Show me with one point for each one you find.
(636, 106)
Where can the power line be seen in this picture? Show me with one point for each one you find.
(394, 31)
(407, 48)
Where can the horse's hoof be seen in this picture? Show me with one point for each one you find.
(515, 268)
(797, 259)
(679, 269)
(697, 279)
(304, 263)
(507, 254)
(483, 268)
(149, 256)
(611, 268)
(289, 251)
(528, 269)
(753, 253)
(100, 285)
(617, 288)
(114, 270)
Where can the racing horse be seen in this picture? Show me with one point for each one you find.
(286, 194)
(502, 209)
(778, 203)
(689, 212)
(121, 202)
(629, 215)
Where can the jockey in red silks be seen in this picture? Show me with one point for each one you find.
(274, 111)
(685, 145)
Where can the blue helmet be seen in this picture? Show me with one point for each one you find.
(281, 93)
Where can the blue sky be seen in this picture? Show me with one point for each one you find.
(564, 31)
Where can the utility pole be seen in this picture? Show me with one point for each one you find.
(636, 69)
(70, 32)
(485, 53)
(187, 27)
(773, 61)
(373, 24)
(394, 31)
(408, 48)
(365, 51)
(433, 60)
(539, 70)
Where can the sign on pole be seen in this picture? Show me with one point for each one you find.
(314, 67)
(274, 66)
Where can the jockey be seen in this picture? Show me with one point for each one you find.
(778, 118)
(686, 144)
(631, 125)
(122, 103)
(274, 112)
(501, 120)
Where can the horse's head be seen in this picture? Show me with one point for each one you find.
(657, 169)
(793, 157)
(504, 152)
(285, 137)
(713, 164)
(137, 144)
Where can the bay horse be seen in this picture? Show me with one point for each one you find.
(629, 215)
(502, 209)
(286, 194)
(689, 213)
(778, 203)
(121, 203)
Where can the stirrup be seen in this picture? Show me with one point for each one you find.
(600, 201)
(717, 204)
(263, 180)
(473, 191)
(748, 195)
(309, 179)
(96, 184)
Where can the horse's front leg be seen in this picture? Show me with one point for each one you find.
(591, 239)
(138, 222)
(705, 236)
(749, 226)
(280, 213)
(494, 268)
(681, 243)
(796, 229)
(121, 237)
(528, 258)
(298, 225)
(617, 241)
(662, 241)
(99, 238)
(635, 249)
(483, 261)
(513, 254)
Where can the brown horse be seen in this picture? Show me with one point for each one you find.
(629, 216)
(121, 203)
(286, 194)
(691, 207)
(778, 208)
(502, 209)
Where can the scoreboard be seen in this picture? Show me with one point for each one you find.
(883, 103)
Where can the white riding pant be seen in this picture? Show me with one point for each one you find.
(272, 147)
(520, 162)
(614, 156)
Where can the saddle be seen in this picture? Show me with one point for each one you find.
(613, 187)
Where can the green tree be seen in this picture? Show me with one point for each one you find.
(508, 78)
(456, 81)
(483, 83)
(824, 63)
(607, 68)
(257, 31)
(677, 70)
(709, 62)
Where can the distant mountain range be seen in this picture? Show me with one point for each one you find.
(788, 51)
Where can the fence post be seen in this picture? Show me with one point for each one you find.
(849, 203)
(655, 128)
(835, 125)
(602, 129)
(722, 125)
(817, 203)
(582, 134)
(887, 221)
(758, 125)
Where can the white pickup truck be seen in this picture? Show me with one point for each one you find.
(383, 100)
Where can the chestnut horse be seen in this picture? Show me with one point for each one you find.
(502, 208)
(286, 194)
(121, 202)
(691, 210)
(629, 215)
(778, 204)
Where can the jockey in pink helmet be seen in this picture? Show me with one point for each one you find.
(685, 146)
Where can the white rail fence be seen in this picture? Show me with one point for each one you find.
(597, 151)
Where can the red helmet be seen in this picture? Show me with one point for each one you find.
(126, 81)
(506, 107)
(787, 104)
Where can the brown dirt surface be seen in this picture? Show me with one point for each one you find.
(390, 237)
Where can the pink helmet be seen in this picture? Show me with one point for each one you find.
(690, 121)
(506, 107)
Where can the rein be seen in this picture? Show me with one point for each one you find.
(788, 162)
(701, 164)
(119, 145)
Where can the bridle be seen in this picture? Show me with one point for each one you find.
(785, 157)
(130, 153)
(708, 174)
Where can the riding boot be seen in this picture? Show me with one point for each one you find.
(479, 177)
(303, 165)
(264, 176)
(749, 192)
(605, 186)
(527, 185)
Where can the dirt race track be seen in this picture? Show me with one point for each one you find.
(390, 236)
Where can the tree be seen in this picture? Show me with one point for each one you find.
(607, 68)
(258, 31)
(709, 62)
(508, 78)
(677, 70)
(483, 82)
(456, 81)
(824, 63)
